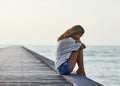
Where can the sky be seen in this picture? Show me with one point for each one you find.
(41, 22)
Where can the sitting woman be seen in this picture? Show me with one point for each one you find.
(70, 51)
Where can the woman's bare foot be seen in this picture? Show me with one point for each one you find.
(80, 73)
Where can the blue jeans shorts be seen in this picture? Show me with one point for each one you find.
(64, 69)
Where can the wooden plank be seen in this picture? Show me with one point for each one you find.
(34, 84)
(32, 80)
(25, 68)
(9, 77)
(79, 80)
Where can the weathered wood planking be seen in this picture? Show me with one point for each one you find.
(18, 67)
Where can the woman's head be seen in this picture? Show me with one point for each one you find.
(76, 32)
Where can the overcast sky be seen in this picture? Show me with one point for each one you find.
(42, 21)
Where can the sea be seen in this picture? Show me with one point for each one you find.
(102, 63)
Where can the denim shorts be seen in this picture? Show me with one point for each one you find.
(64, 69)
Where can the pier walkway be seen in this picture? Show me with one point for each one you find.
(20, 66)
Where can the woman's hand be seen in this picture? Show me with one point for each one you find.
(83, 46)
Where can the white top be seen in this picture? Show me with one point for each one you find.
(64, 50)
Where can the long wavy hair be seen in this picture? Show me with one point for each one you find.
(77, 29)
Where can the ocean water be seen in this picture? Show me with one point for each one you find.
(102, 63)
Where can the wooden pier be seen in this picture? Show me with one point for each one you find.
(20, 66)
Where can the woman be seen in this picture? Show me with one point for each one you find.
(70, 51)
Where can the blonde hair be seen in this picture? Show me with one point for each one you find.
(77, 29)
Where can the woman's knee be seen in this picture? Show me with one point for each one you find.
(80, 49)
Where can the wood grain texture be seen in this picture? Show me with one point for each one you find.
(18, 67)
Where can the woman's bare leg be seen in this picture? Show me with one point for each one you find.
(77, 57)
(80, 63)
(73, 60)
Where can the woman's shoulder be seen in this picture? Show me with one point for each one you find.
(69, 39)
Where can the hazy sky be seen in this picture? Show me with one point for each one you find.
(42, 21)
